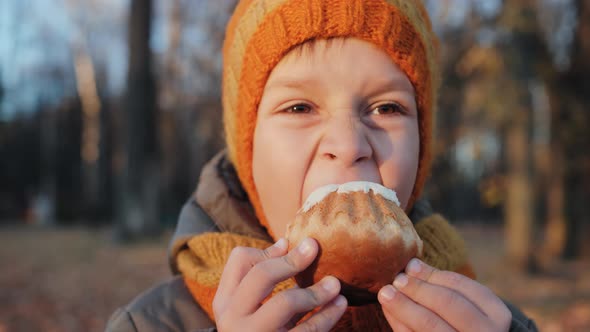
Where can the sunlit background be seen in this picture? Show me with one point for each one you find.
(109, 109)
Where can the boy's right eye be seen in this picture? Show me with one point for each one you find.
(298, 109)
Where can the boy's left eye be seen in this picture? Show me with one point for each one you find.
(389, 108)
(298, 109)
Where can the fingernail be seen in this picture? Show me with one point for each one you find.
(340, 301)
(387, 293)
(401, 280)
(305, 247)
(281, 243)
(414, 266)
(330, 284)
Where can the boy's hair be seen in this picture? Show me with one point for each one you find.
(261, 32)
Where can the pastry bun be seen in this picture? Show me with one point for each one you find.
(365, 238)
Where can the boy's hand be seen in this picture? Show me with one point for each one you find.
(427, 299)
(250, 276)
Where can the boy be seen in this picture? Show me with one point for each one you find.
(316, 92)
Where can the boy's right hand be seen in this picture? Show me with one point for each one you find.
(251, 274)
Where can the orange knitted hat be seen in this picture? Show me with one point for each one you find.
(261, 32)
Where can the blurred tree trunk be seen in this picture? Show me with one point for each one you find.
(105, 164)
(554, 238)
(44, 201)
(91, 128)
(576, 98)
(177, 155)
(138, 204)
(569, 181)
(95, 142)
(519, 214)
(518, 18)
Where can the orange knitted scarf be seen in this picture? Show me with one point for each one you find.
(202, 263)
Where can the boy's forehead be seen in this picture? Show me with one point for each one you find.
(302, 66)
(306, 55)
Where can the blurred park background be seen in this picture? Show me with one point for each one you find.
(109, 108)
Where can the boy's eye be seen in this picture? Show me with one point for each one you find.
(389, 108)
(298, 109)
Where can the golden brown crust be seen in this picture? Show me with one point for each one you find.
(365, 241)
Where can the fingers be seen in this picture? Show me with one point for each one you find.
(263, 277)
(326, 318)
(397, 307)
(251, 275)
(281, 308)
(478, 294)
(239, 263)
(242, 259)
(447, 303)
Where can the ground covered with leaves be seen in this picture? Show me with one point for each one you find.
(73, 279)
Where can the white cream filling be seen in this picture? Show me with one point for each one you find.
(320, 193)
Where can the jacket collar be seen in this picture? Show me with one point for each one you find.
(221, 196)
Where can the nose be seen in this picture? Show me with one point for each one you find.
(345, 141)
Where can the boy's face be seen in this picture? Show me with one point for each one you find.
(331, 113)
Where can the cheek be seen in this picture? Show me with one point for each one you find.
(277, 166)
(400, 168)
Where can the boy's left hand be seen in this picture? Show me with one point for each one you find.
(427, 299)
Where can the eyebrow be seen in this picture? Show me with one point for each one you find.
(291, 83)
(398, 83)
